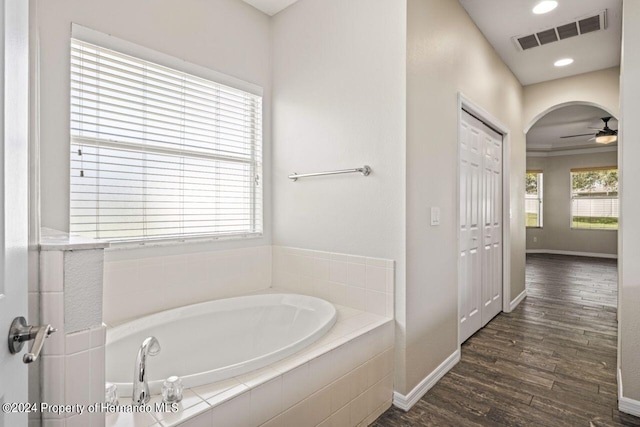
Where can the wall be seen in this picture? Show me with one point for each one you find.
(599, 88)
(137, 287)
(228, 36)
(556, 233)
(629, 245)
(354, 281)
(339, 102)
(446, 53)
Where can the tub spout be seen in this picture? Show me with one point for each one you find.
(150, 347)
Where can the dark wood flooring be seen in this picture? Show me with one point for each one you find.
(551, 362)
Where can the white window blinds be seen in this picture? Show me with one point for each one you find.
(157, 153)
(594, 198)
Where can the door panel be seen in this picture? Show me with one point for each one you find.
(470, 226)
(480, 234)
(14, 215)
(493, 230)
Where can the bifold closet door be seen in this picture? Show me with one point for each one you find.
(480, 262)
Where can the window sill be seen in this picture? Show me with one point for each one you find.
(137, 244)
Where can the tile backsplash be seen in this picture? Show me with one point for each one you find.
(138, 287)
(355, 281)
(134, 288)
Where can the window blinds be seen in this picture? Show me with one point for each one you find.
(594, 198)
(157, 153)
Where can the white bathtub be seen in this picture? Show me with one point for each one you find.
(215, 340)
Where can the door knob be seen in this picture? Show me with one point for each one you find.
(20, 332)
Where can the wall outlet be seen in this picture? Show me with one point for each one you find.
(435, 216)
(535, 239)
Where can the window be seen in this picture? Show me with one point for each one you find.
(157, 153)
(533, 199)
(594, 198)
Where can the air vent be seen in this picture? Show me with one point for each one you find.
(548, 36)
(528, 42)
(589, 25)
(578, 27)
(566, 31)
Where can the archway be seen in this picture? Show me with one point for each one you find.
(566, 104)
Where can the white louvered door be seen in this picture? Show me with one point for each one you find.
(480, 198)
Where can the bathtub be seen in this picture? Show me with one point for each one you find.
(215, 340)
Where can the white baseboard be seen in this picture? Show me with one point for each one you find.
(626, 405)
(586, 254)
(517, 300)
(406, 402)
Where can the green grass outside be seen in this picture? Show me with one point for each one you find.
(588, 222)
(606, 223)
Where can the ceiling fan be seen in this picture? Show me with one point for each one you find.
(606, 135)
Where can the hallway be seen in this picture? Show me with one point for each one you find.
(551, 362)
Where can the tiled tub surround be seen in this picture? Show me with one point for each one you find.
(344, 379)
(72, 360)
(75, 376)
(138, 287)
(354, 281)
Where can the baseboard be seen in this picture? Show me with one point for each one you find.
(585, 254)
(626, 405)
(517, 300)
(406, 402)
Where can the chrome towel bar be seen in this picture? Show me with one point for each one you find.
(365, 170)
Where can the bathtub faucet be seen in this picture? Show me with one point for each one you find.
(150, 347)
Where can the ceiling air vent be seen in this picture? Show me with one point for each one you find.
(566, 31)
(527, 42)
(548, 36)
(578, 27)
(589, 24)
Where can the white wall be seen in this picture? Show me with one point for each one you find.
(338, 85)
(138, 287)
(228, 36)
(448, 54)
(556, 233)
(600, 88)
(629, 246)
(339, 102)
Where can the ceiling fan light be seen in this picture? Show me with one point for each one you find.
(606, 139)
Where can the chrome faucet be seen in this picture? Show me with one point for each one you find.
(150, 347)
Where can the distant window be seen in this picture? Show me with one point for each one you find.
(157, 153)
(533, 199)
(594, 198)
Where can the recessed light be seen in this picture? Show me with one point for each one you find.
(563, 62)
(545, 7)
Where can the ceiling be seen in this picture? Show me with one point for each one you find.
(270, 7)
(501, 20)
(545, 135)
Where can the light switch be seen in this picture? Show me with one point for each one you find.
(435, 216)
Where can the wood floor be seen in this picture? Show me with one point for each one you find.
(551, 362)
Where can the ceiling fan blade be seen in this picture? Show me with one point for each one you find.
(573, 136)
